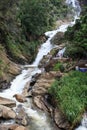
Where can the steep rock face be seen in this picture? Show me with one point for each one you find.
(8, 69)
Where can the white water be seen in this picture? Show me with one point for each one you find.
(39, 120)
(83, 125)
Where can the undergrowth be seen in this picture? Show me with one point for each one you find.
(71, 94)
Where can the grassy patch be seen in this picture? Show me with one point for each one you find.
(58, 66)
(71, 93)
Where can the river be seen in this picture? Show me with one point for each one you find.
(40, 121)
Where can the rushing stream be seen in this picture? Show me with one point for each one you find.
(40, 121)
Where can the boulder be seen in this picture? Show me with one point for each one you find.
(48, 66)
(20, 98)
(7, 113)
(25, 90)
(44, 82)
(21, 118)
(3, 127)
(60, 120)
(57, 39)
(38, 102)
(20, 128)
(12, 127)
(42, 104)
(4, 84)
(7, 102)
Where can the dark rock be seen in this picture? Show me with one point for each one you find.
(33, 81)
(4, 85)
(60, 120)
(57, 39)
(50, 65)
(50, 99)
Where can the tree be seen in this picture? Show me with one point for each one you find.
(77, 37)
(35, 17)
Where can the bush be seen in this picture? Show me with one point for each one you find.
(71, 94)
(58, 66)
(38, 16)
(35, 17)
(77, 38)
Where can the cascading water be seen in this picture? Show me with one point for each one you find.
(83, 125)
(39, 119)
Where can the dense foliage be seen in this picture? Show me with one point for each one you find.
(70, 92)
(22, 24)
(77, 38)
(37, 16)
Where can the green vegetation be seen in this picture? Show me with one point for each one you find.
(21, 51)
(38, 16)
(77, 38)
(58, 66)
(71, 94)
(23, 24)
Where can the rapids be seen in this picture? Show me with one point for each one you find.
(40, 121)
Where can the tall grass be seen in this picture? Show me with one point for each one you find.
(71, 94)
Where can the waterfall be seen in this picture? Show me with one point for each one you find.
(83, 125)
(39, 119)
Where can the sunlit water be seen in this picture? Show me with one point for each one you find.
(39, 120)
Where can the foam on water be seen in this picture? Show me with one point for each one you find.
(40, 120)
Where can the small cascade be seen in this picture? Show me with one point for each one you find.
(47, 46)
(83, 125)
(40, 121)
(75, 5)
(61, 53)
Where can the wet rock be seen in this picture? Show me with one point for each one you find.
(48, 66)
(33, 81)
(12, 127)
(43, 100)
(22, 118)
(41, 104)
(57, 39)
(41, 86)
(3, 128)
(20, 98)
(60, 120)
(7, 113)
(7, 102)
(44, 82)
(15, 69)
(20, 128)
(36, 76)
(4, 84)
(25, 90)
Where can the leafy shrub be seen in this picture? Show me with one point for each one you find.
(59, 66)
(77, 38)
(71, 93)
(38, 16)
